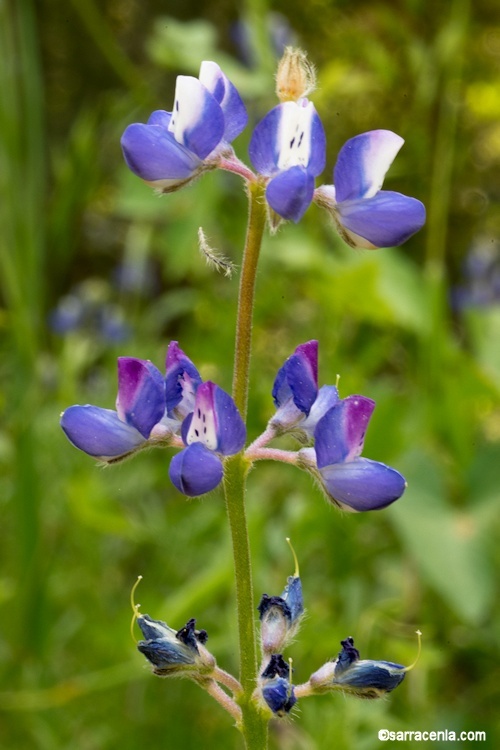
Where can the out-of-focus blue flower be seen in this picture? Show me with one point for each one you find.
(172, 652)
(352, 482)
(288, 147)
(481, 271)
(87, 310)
(299, 403)
(275, 686)
(364, 678)
(280, 616)
(213, 429)
(175, 147)
(149, 408)
(279, 31)
(365, 215)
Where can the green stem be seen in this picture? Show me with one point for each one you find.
(255, 231)
(254, 725)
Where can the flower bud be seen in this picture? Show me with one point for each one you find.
(364, 678)
(280, 615)
(275, 686)
(174, 652)
(295, 77)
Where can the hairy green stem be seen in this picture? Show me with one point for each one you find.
(255, 231)
(254, 725)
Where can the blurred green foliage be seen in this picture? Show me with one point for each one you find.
(73, 222)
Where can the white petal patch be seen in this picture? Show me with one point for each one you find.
(188, 107)
(294, 135)
(378, 157)
(210, 75)
(202, 429)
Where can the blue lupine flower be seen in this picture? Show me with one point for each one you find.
(213, 429)
(149, 408)
(170, 651)
(175, 147)
(352, 482)
(288, 146)
(275, 686)
(364, 678)
(298, 401)
(365, 215)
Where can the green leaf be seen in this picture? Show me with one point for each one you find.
(448, 546)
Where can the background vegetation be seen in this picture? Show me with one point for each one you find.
(93, 266)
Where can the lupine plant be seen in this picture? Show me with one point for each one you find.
(207, 425)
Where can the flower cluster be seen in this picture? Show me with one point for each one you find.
(180, 410)
(280, 618)
(338, 428)
(287, 150)
(177, 409)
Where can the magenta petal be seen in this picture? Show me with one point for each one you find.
(195, 470)
(99, 432)
(141, 394)
(340, 433)
(363, 484)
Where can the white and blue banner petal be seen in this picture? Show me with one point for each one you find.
(362, 164)
(197, 119)
(227, 96)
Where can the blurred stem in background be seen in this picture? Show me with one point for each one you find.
(450, 50)
(22, 211)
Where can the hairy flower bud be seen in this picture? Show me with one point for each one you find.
(296, 76)
(179, 653)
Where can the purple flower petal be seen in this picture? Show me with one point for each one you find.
(298, 378)
(362, 484)
(264, 147)
(195, 470)
(340, 433)
(181, 382)
(153, 154)
(231, 429)
(99, 432)
(290, 193)
(197, 119)
(215, 422)
(227, 96)
(141, 394)
(387, 220)
(363, 162)
(327, 397)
